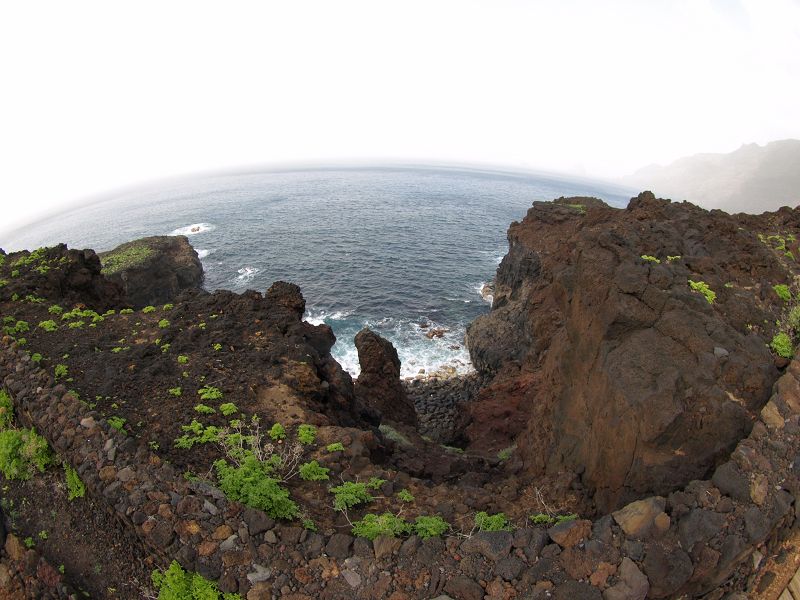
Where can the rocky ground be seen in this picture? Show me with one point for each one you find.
(603, 378)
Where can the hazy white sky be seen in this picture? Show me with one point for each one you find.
(96, 94)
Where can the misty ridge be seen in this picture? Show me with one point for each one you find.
(752, 179)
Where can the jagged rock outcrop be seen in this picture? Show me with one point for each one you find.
(608, 363)
(58, 274)
(378, 385)
(153, 270)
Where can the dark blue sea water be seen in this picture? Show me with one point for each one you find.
(389, 248)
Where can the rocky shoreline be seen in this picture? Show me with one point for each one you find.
(626, 434)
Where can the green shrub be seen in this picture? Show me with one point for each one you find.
(312, 471)
(702, 288)
(177, 584)
(252, 484)
(405, 495)
(168, 307)
(335, 447)
(505, 453)
(566, 518)
(182, 359)
(75, 487)
(204, 409)
(202, 435)
(6, 410)
(116, 422)
(209, 392)
(542, 519)
(387, 524)
(60, 371)
(228, 408)
(217, 347)
(350, 494)
(783, 292)
(126, 311)
(176, 391)
(428, 527)
(306, 434)
(163, 323)
(652, 259)
(22, 453)
(673, 258)
(149, 309)
(782, 345)
(36, 357)
(486, 522)
(309, 524)
(48, 326)
(277, 432)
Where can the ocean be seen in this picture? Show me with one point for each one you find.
(402, 250)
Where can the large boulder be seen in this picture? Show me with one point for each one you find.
(378, 385)
(153, 270)
(621, 371)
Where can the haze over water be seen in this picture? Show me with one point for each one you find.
(390, 248)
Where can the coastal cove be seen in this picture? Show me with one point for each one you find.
(391, 248)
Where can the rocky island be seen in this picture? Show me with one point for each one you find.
(630, 431)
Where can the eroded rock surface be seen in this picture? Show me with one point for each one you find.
(153, 270)
(378, 385)
(608, 363)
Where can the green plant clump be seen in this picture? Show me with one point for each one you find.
(116, 422)
(312, 471)
(782, 345)
(428, 527)
(783, 292)
(306, 434)
(60, 371)
(335, 447)
(176, 391)
(405, 495)
(163, 324)
(387, 524)
(148, 309)
(177, 584)
(542, 519)
(702, 288)
(486, 522)
(228, 408)
(75, 487)
(252, 484)
(22, 453)
(202, 435)
(350, 494)
(6, 410)
(182, 359)
(204, 409)
(209, 392)
(277, 432)
(48, 325)
(652, 259)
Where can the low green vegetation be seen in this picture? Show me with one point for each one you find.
(783, 292)
(75, 487)
(782, 345)
(487, 522)
(23, 452)
(168, 307)
(651, 259)
(252, 483)
(227, 408)
(209, 393)
(128, 256)
(387, 524)
(350, 494)
(182, 359)
(163, 324)
(428, 527)
(177, 584)
(505, 453)
(176, 391)
(701, 287)
(48, 325)
(60, 371)
(204, 409)
(149, 309)
(312, 471)
(335, 447)
(200, 434)
(405, 496)
(116, 422)
(306, 434)
(277, 432)
(673, 258)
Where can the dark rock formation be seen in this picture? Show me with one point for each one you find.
(59, 275)
(153, 270)
(378, 386)
(608, 363)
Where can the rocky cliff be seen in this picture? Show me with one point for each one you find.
(153, 270)
(608, 363)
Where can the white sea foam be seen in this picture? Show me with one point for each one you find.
(319, 317)
(488, 298)
(192, 229)
(246, 274)
(201, 254)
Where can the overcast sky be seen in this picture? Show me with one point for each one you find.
(99, 95)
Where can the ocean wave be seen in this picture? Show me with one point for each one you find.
(201, 253)
(246, 274)
(483, 292)
(192, 229)
(319, 317)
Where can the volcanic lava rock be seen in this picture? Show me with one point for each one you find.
(60, 275)
(153, 270)
(606, 362)
(378, 385)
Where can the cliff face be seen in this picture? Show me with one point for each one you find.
(609, 364)
(153, 270)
